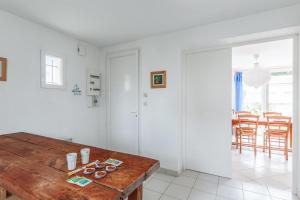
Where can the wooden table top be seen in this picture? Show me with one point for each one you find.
(34, 167)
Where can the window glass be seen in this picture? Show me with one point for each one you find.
(53, 70)
(49, 74)
(253, 99)
(49, 60)
(280, 93)
(56, 76)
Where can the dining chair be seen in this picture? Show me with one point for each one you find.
(270, 114)
(238, 113)
(247, 130)
(265, 115)
(234, 128)
(278, 129)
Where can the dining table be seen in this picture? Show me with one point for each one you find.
(34, 167)
(264, 122)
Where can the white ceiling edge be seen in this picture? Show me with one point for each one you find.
(290, 30)
(236, 40)
(66, 34)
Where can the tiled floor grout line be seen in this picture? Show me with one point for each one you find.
(257, 179)
(193, 186)
(216, 196)
(279, 172)
(267, 186)
(162, 193)
(170, 183)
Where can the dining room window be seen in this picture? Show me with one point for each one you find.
(276, 96)
(254, 99)
(280, 92)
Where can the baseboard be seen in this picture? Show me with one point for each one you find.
(169, 172)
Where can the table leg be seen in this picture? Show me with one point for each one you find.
(137, 194)
(2, 194)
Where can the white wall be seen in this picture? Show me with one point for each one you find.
(25, 106)
(161, 120)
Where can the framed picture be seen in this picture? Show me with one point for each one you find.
(159, 79)
(3, 65)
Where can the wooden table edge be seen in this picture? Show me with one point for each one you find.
(137, 187)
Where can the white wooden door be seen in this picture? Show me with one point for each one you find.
(123, 101)
(208, 112)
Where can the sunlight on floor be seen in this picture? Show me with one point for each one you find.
(253, 179)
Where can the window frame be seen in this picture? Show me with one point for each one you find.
(44, 84)
(265, 88)
(278, 70)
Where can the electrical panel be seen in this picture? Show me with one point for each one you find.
(93, 83)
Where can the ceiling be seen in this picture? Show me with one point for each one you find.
(271, 54)
(107, 22)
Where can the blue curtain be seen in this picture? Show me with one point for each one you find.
(238, 83)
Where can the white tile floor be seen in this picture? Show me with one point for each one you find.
(253, 179)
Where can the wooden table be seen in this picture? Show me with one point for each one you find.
(263, 122)
(34, 168)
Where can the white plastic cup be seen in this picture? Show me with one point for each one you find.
(71, 160)
(85, 155)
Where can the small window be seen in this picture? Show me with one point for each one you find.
(52, 70)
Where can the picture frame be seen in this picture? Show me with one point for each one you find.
(159, 79)
(3, 69)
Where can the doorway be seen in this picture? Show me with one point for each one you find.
(200, 102)
(269, 95)
(123, 101)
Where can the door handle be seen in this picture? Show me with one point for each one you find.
(135, 113)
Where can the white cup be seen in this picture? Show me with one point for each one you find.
(85, 155)
(71, 160)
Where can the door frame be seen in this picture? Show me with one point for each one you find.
(296, 92)
(109, 56)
